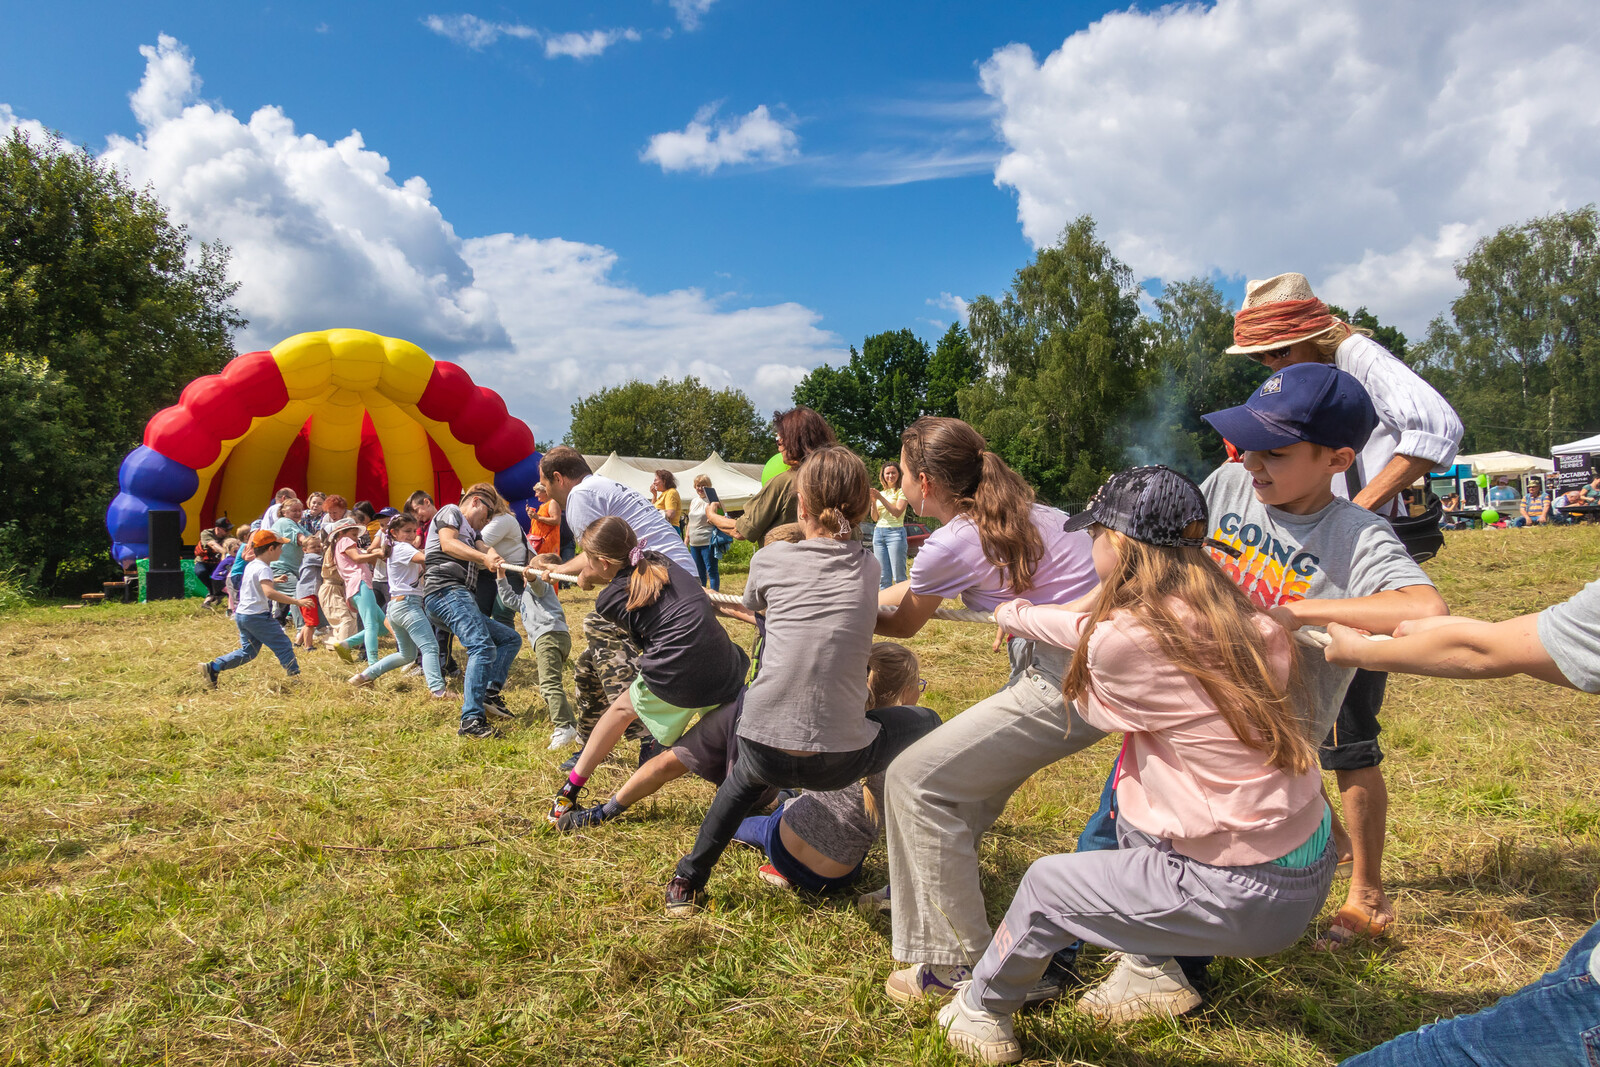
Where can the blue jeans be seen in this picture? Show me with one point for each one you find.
(255, 631)
(762, 832)
(705, 561)
(889, 545)
(413, 633)
(491, 646)
(365, 602)
(1555, 1022)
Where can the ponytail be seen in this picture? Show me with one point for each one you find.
(835, 488)
(610, 538)
(648, 579)
(986, 490)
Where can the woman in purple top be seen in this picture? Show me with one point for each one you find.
(996, 543)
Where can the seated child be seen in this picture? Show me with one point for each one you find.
(688, 664)
(818, 841)
(1224, 838)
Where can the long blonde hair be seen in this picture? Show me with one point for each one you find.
(1217, 642)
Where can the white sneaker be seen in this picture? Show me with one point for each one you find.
(1136, 990)
(562, 736)
(925, 982)
(873, 904)
(981, 1034)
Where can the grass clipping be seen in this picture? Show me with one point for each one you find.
(321, 875)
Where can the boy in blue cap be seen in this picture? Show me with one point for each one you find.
(1307, 557)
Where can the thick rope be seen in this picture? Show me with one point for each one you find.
(1318, 639)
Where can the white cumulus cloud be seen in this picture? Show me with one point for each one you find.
(706, 144)
(476, 33)
(1363, 143)
(324, 236)
(33, 130)
(585, 45)
(950, 302)
(690, 12)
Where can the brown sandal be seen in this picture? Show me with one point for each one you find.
(1349, 925)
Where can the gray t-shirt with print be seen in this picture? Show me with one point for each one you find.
(1570, 632)
(1341, 551)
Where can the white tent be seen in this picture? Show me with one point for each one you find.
(620, 470)
(1507, 463)
(733, 489)
(1588, 444)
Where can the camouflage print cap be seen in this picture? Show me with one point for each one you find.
(1150, 504)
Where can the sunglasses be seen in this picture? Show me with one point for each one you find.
(1271, 353)
(922, 685)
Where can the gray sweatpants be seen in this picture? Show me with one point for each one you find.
(946, 790)
(1149, 901)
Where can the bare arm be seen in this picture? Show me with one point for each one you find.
(1379, 613)
(722, 522)
(902, 613)
(1462, 648)
(453, 545)
(1399, 473)
(270, 591)
(881, 502)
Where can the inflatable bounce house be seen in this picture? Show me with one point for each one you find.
(341, 411)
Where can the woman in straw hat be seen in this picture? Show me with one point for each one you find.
(1282, 322)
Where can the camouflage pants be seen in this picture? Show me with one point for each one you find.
(606, 667)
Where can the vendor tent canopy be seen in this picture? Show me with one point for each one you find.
(1508, 463)
(733, 488)
(1588, 444)
(735, 483)
(620, 470)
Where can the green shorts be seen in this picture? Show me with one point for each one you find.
(666, 722)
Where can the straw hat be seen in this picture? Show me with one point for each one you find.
(1284, 287)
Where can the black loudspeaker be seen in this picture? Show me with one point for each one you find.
(164, 580)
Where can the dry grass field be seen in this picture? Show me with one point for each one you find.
(313, 875)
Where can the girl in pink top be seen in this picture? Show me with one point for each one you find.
(355, 566)
(1222, 827)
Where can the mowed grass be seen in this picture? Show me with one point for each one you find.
(315, 875)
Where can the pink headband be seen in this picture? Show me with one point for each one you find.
(637, 553)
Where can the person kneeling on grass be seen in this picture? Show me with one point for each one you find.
(688, 665)
(1224, 838)
(1550, 1022)
(257, 593)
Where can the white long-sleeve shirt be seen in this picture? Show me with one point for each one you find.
(1413, 419)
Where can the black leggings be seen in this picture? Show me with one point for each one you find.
(760, 767)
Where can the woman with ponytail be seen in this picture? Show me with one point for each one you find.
(688, 664)
(806, 723)
(996, 543)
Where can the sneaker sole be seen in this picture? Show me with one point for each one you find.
(205, 673)
(905, 997)
(985, 1051)
(1169, 1004)
(776, 880)
(682, 911)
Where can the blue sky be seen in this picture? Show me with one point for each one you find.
(874, 161)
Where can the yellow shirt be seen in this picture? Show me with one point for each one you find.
(887, 518)
(670, 504)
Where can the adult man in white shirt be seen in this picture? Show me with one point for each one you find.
(606, 665)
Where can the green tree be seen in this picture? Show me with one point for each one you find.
(670, 420)
(1067, 353)
(954, 366)
(1189, 339)
(1520, 356)
(104, 317)
(1387, 336)
(880, 392)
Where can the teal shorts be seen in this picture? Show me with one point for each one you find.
(666, 722)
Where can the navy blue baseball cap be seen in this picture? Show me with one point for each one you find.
(1302, 402)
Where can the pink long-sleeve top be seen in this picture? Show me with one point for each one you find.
(1185, 776)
